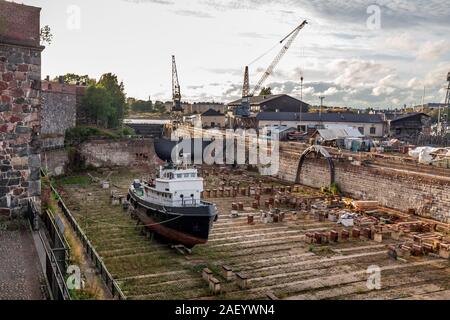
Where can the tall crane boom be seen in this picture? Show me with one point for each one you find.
(291, 37)
(176, 92)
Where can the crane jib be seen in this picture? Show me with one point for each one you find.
(291, 36)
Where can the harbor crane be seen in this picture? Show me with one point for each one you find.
(176, 92)
(244, 109)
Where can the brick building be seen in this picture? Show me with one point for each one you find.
(20, 105)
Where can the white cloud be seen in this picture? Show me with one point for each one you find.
(432, 50)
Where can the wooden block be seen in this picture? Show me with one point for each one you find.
(214, 285)
(227, 273)
(242, 281)
(206, 274)
(378, 237)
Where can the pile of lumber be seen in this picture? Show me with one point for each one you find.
(365, 205)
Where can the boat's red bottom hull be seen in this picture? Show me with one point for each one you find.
(172, 235)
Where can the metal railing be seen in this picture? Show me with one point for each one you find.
(54, 264)
(55, 277)
(106, 276)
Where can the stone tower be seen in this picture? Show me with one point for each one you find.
(20, 104)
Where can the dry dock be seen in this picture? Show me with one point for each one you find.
(261, 260)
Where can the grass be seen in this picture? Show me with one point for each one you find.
(74, 180)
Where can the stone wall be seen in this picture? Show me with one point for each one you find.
(59, 113)
(20, 104)
(103, 153)
(122, 153)
(55, 161)
(428, 195)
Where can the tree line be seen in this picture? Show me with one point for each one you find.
(104, 103)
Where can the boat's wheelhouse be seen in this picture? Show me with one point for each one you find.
(175, 186)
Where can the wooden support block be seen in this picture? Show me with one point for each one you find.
(334, 236)
(227, 273)
(405, 251)
(345, 235)
(206, 274)
(271, 296)
(356, 233)
(214, 285)
(317, 237)
(395, 235)
(444, 251)
(250, 219)
(242, 281)
(378, 237)
(417, 250)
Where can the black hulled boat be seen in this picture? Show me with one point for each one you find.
(171, 204)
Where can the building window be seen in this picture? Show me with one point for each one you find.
(361, 129)
(373, 130)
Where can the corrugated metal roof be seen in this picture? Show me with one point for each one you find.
(339, 133)
(317, 117)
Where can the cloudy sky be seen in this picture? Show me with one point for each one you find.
(355, 53)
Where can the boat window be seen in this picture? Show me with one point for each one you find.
(193, 175)
(186, 175)
(179, 176)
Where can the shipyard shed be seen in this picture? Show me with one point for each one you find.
(273, 103)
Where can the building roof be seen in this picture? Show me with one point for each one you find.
(409, 115)
(317, 117)
(146, 121)
(257, 100)
(339, 133)
(212, 113)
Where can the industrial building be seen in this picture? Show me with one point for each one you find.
(213, 119)
(410, 125)
(272, 103)
(368, 124)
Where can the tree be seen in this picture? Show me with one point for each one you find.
(266, 91)
(72, 78)
(142, 106)
(116, 91)
(46, 35)
(98, 105)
